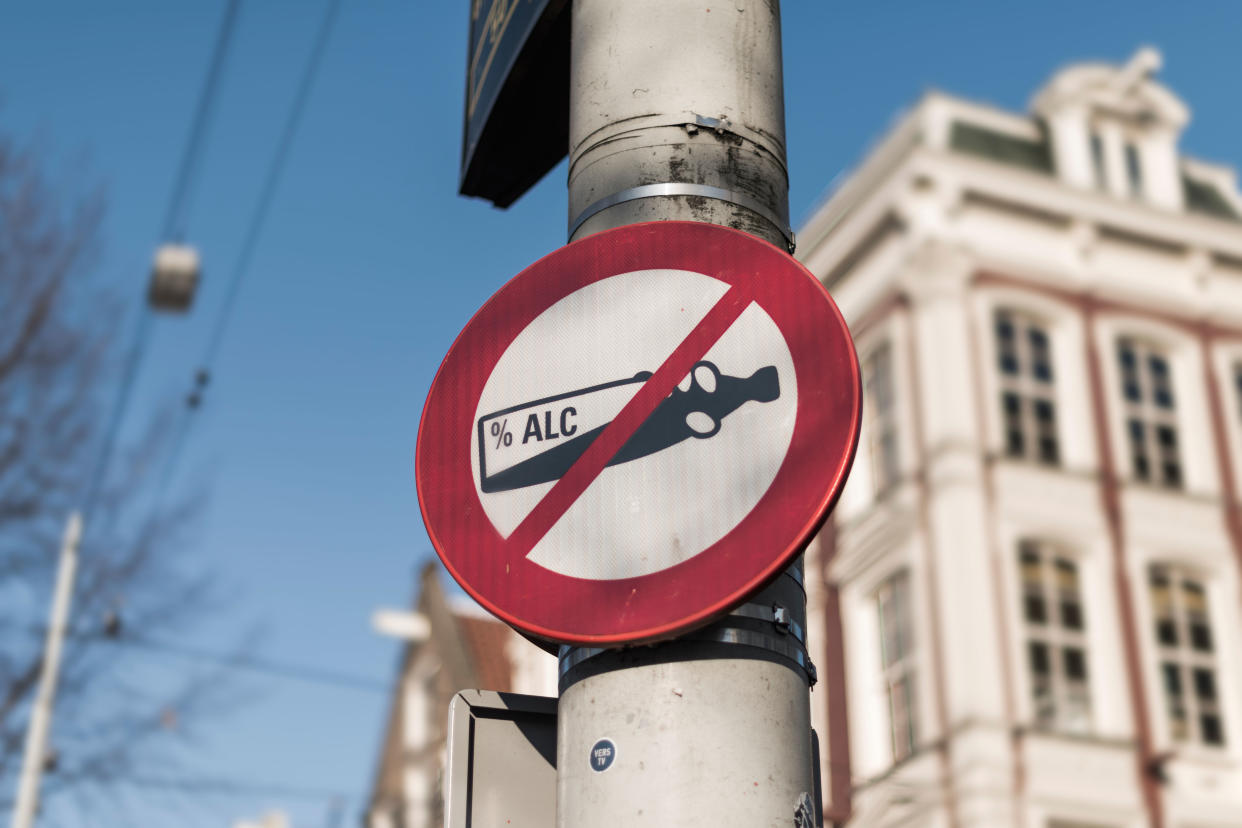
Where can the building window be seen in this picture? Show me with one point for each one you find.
(1134, 171)
(897, 659)
(1186, 650)
(1028, 408)
(1097, 160)
(1237, 386)
(1056, 641)
(881, 411)
(1150, 415)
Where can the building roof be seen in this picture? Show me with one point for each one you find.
(471, 652)
(1202, 197)
(1001, 147)
(487, 640)
(1129, 90)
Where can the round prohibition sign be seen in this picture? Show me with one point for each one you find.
(637, 433)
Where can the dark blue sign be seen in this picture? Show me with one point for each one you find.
(517, 96)
(603, 753)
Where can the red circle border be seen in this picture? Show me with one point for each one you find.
(661, 605)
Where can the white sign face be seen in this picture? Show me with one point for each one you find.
(637, 432)
(690, 473)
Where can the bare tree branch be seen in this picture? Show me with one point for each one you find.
(59, 358)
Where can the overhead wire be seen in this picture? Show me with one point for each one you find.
(173, 223)
(129, 375)
(286, 670)
(213, 786)
(175, 217)
(183, 426)
(270, 183)
(236, 787)
(174, 229)
(235, 661)
(131, 362)
(258, 220)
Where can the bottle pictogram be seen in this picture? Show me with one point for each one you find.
(537, 442)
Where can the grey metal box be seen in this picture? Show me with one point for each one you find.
(501, 766)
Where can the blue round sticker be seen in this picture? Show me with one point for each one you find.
(602, 754)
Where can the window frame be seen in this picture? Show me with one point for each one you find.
(882, 422)
(899, 676)
(1070, 335)
(1233, 406)
(1226, 360)
(1099, 164)
(1025, 386)
(1133, 160)
(1056, 637)
(1184, 657)
(1148, 413)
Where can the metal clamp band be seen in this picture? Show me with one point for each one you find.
(778, 618)
(769, 614)
(788, 646)
(675, 189)
(732, 635)
(570, 657)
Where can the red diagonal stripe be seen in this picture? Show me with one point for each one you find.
(583, 472)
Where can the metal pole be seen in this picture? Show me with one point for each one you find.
(677, 112)
(41, 712)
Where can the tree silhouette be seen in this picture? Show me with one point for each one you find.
(60, 354)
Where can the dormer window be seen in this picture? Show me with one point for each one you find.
(1134, 172)
(1097, 161)
(879, 406)
(1114, 129)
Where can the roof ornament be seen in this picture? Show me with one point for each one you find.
(1142, 65)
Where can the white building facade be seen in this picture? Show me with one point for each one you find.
(464, 648)
(1030, 589)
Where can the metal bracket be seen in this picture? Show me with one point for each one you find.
(793, 650)
(721, 124)
(804, 813)
(788, 640)
(777, 615)
(780, 617)
(682, 189)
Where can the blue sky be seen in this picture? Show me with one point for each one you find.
(370, 264)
